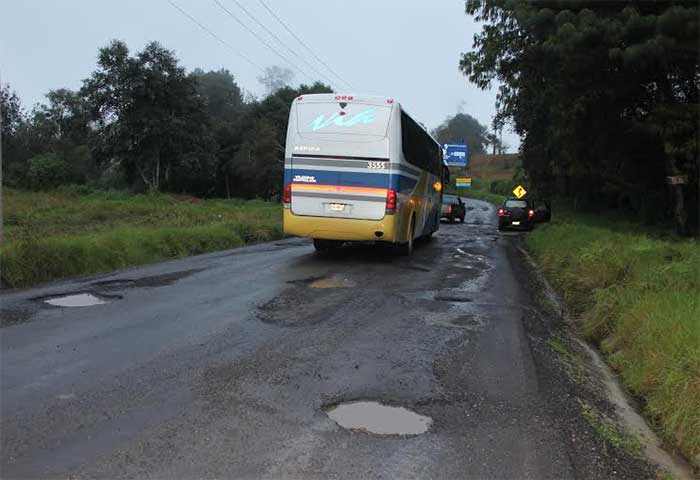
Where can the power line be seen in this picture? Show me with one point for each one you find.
(302, 43)
(216, 37)
(272, 34)
(262, 40)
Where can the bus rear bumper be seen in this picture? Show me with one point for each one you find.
(346, 229)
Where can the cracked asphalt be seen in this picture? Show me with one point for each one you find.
(221, 365)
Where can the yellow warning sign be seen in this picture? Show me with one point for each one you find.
(519, 191)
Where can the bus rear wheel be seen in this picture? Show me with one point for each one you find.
(406, 249)
(325, 245)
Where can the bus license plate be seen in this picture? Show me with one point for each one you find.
(336, 207)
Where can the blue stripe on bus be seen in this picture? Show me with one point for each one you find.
(395, 181)
(325, 177)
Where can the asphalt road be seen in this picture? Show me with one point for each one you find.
(221, 365)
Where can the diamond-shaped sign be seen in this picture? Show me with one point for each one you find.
(519, 191)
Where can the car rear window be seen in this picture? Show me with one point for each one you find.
(449, 199)
(516, 204)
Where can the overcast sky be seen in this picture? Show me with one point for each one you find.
(406, 49)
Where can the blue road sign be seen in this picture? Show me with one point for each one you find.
(456, 155)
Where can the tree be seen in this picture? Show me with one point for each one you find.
(256, 168)
(227, 111)
(463, 128)
(604, 95)
(221, 93)
(150, 118)
(14, 148)
(275, 78)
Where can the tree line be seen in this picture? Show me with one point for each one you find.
(141, 122)
(604, 96)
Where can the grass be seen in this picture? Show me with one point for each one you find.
(572, 362)
(64, 233)
(637, 297)
(478, 190)
(607, 430)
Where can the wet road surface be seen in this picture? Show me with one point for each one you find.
(224, 365)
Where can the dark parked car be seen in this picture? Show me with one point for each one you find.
(452, 208)
(516, 213)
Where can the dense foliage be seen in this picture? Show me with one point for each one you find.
(604, 96)
(142, 122)
(463, 128)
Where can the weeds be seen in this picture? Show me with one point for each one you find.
(637, 297)
(574, 364)
(67, 233)
(609, 432)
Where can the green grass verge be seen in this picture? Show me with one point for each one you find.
(479, 191)
(64, 233)
(609, 432)
(638, 298)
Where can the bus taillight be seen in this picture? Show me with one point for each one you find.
(287, 196)
(390, 201)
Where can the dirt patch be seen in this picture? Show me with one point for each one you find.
(300, 306)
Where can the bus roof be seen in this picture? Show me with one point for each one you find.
(347, 97)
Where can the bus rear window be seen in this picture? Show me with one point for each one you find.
(354, 119)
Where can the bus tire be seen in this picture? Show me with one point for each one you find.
(324, 245)
(406, 249)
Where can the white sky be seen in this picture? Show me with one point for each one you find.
(405, 49)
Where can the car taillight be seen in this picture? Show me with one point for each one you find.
(501, 212)
(287, 196)
(530, 214)
(390, 201)
(449, 209)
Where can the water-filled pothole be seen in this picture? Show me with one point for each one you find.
(373, 417)
(77, 300)
(452, 298)
(332, 283)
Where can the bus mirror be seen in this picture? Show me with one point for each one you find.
(445, 175)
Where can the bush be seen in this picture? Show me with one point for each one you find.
(46, 171)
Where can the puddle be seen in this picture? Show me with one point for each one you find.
(373, 417)
(332, 283)
(76, 300)
(452, 298)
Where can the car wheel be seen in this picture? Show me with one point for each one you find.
(461, 219)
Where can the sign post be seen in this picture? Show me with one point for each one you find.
(457, 155)
(519, 191)
(463, 181)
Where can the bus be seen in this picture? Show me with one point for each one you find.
(358, 169)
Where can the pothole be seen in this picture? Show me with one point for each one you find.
(78, 300)
(452, 298)
(373, 417)
(332, 283)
